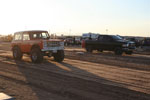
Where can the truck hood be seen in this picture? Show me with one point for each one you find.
(125, 41)
(54, 40)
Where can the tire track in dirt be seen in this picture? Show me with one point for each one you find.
(122, 92)
(117, 77)
(116, 73)
(108, 91)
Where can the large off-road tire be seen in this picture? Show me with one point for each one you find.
(118, 51)
(36, 55)
(100, 50)
(59, 56)
(129, 52)
(17, 54)
(89, 49)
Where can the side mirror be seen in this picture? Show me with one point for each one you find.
(48, 37)
(111, 40)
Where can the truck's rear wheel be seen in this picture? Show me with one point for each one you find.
(36, 55)
(129, 52)
(17, 54)
(89, 49)
(59, 56)
(118, 51)
(100, 50)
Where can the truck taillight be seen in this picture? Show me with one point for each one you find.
(83, 43)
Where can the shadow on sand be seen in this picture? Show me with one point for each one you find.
(62, 81)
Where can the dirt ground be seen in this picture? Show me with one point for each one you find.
(82, 76)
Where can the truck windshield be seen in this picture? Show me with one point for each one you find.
(115, 37)
(40, 35)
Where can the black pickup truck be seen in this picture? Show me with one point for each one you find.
(111, 43)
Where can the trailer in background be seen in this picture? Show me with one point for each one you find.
(86, 36)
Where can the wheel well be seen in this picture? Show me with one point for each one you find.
(15, 46)
(117, 47)
(35, 46)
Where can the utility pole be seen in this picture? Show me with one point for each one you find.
(106, 31)
(49, 31)
(25, 27)
(69, 32)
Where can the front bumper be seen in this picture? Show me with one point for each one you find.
(128, 49)
(52, 49)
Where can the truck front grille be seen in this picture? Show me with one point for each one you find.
(53, 43)
(131, 45)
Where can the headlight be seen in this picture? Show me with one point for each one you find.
(125, 45)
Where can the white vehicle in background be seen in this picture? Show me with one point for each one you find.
(86, 36)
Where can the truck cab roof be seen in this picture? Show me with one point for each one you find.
(32, 31)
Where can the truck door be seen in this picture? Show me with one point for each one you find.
(26, 43)
(99, 43)
(106, 42)
(18, 39)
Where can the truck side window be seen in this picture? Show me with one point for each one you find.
(44, 35)
(18, 36)
(107, 39)
(26, 37)
(100, 38)
(35, 36)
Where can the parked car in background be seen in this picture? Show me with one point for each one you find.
(74, 40)
(146, 42)
(137, 42)
(37, 44)
(69, 41)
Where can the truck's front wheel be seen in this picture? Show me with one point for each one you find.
(118, 51)
(59, 56)
(17, 54)
(36, 55)
(129, 52)
(89, 49)
(100, 50)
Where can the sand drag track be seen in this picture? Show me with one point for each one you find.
(79, 77)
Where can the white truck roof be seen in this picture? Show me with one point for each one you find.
(93, 35)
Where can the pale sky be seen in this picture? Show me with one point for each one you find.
(74, 17)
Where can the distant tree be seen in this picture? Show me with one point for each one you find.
(7, 38)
